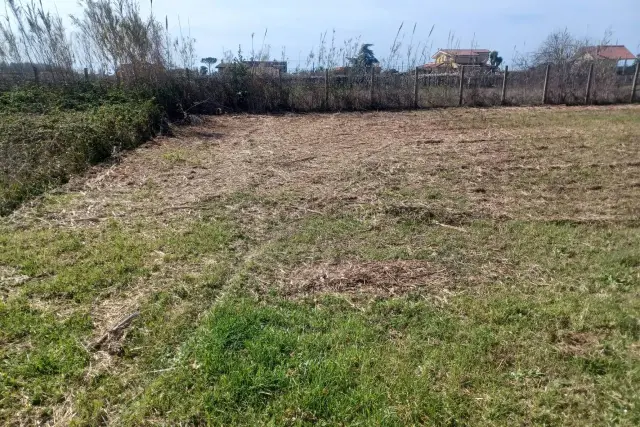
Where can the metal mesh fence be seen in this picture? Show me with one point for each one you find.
(261, 90)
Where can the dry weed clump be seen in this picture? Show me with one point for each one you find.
(382, 278)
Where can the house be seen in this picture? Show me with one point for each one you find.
(455, 58)
(613, 53)
(261, 67)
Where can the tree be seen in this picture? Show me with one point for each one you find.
(495, 59)
(560, 47)
(209, 61)
(203, 70)
(365, 58)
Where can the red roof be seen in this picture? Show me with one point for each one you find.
(464, 52)
(618, 52)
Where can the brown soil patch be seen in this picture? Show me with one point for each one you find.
(382, 278)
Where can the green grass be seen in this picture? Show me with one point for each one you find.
(399, 362)
(554, 346)
(534, 321)
(44, 349)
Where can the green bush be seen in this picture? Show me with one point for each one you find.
(75, 97)
(45, 136)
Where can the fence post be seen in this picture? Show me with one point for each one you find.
(415, 90)
(503, 97)
(373, 74)
(460, 99)
(589, 80)
(280, 102)
(326, 89)
(36, 74)
(545, 89)
(86, 74)
(634, 86)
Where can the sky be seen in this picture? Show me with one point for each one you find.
(296, 25)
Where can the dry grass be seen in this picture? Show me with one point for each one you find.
(487, 159)
(384, 279)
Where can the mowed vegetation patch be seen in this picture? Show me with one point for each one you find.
(336, 269)
(382, 278)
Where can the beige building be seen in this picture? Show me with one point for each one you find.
(458, 57)
(446, 60)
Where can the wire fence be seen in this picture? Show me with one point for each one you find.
(330, 90)
(265, 89)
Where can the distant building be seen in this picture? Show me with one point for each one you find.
(264, 67)
(455, 58)
(613, 53)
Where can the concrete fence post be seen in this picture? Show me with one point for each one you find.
(372, 88)
(503, 97)
(461, 94)
(415, 89)
(587, 96)
(326, 89)
(634, 85)
(545, 89)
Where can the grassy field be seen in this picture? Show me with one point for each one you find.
(445, 267)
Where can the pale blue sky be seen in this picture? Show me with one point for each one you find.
(297, 24)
